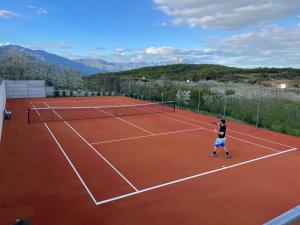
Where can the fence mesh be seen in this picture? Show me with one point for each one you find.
(269, 107)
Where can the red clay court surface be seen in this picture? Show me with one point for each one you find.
(142, 169)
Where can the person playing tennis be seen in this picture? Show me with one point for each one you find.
(221, 139)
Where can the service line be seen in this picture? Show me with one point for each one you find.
(145, 136)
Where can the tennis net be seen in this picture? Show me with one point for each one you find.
(78, 113)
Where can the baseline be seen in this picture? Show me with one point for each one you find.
(193, 177)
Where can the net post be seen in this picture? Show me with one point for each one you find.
(174, 106)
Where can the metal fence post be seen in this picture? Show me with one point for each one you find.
(199, 99)
(225, 95)
(115, 85)
(178, 89)
(258, 108)
(104, 88)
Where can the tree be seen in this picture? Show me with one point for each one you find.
(16, 65)
(183, 97)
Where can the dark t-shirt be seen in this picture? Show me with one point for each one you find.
(222, 129)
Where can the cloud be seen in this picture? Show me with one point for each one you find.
(269, 46)
(42, 11)
(70, 55)
(94, 48)
(176, 51)
(59, 45)
(222, 14)
(162, 24)
(30, 6)
(37, 9)
(124, 51)
(161, 51)
(4, 44)
(9, 14)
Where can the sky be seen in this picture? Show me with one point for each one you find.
(248, 33)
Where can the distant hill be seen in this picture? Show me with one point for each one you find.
(211, 72)
(110, 66)
(51, 59)
(138, 63)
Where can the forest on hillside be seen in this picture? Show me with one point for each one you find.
(210, 72)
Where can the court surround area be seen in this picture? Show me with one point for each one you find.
(128, 161)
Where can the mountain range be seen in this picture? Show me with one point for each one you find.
(50, 58)
(88, 66)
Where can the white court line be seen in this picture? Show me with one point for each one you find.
(97, 108)
(192, 177)
(71, 164)
(125, 121)
(234, 131)
(228, 129)
(249, 142)
(176, 181)
(69, 161)
(145, 136)
(112, 166)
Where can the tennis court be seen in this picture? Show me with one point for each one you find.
(117, 160)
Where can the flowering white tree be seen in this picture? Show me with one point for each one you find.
(183, 97)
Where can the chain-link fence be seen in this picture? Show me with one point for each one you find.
(272, 108)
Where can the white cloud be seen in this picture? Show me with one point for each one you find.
(42, 11)
(178, 52)
(4, 44)
(30, 6)
(227, 14)
(94, 48)
(269, 46)
(162, 24)
(59, 45)
(160, 51)
(9, 14)
(37, 9)
(124, 51)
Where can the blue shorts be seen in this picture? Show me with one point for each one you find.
(220, 142)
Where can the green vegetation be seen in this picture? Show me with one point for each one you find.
(265, 107)
(209, 72)
(271, 108)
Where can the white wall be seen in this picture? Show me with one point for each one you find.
(2, 105)
(25, 88)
